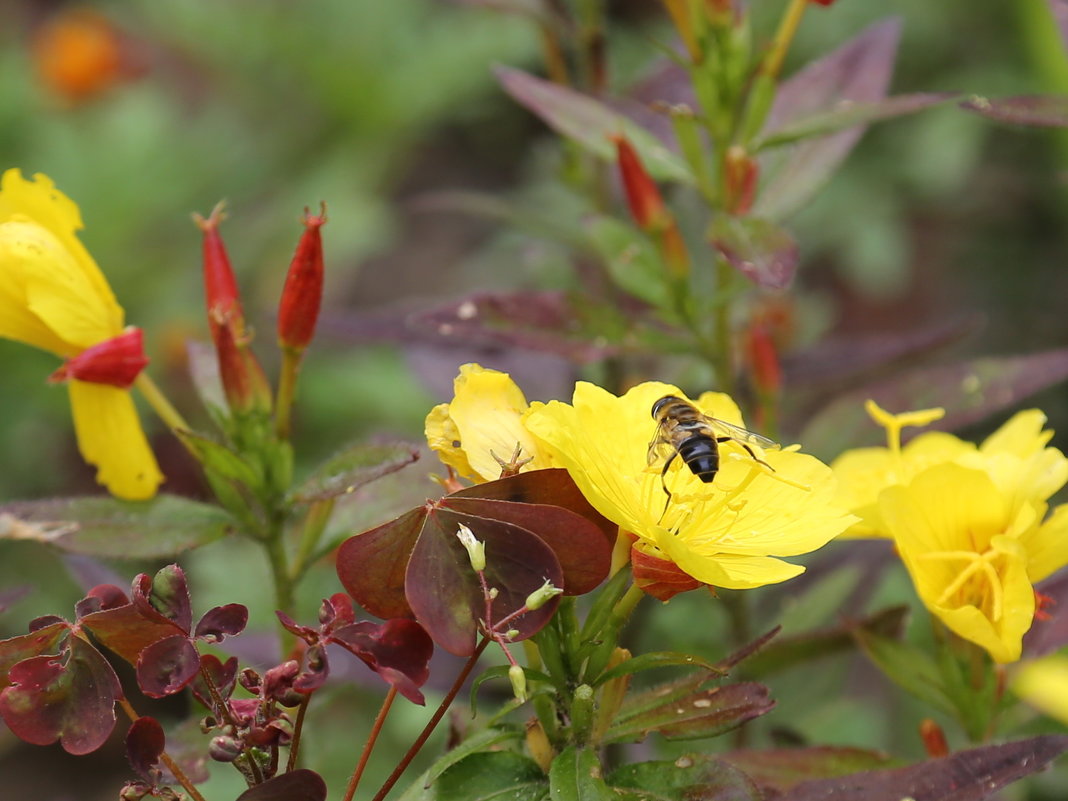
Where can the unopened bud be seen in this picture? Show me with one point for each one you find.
(546, 592)
(115, 362)
(740, 172)
(476, 551)
(224, 749)
(493, 593)
(518, 677)
(934, 739)
(303, 291)
(511, 634)
(643, 197)
(134, 791)
(763, 360)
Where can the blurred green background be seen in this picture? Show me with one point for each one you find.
(370, 106)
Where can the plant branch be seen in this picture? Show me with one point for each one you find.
(372, 738)
(294, 745)
(439, 713)
(165, 758)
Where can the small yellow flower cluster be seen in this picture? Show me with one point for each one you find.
(970, 523)
(730, 533)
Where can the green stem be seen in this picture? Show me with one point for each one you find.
(283, 583)
(287, 387)
(314, 524)
(159, 403)
(723, 355)
(439, 713)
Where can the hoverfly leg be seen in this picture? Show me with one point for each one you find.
(747, 450)
(663, 483)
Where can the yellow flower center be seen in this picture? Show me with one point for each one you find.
(978, 584)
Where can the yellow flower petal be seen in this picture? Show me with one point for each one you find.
(110, 437)
(1047, 545)
(726, 532)
(482, 424)
(1021, 435)
(1041, 684)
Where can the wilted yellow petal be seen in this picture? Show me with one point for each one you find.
(110, 437)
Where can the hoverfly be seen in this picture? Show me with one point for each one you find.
(683, 431)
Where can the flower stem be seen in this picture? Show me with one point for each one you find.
(298, 727)
(311, 531)
(165, 758)
(159, 403)
(787, 28)
(372, 738)
(439, 713)
(287, 387)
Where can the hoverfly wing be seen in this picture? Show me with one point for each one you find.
(741, 434)
(660, 447)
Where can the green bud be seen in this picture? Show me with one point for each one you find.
(546, 592)
(476, 551)
(518, 677)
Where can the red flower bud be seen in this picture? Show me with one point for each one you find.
(643, 197)
(822, 2)
(115, 362)
(243, 379)
(303, 291)
(934, 739)
(220, 286)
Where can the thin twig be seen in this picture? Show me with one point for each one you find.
(172, 766)
(372, 738)
(294, 745)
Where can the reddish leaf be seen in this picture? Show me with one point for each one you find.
(1049, 633)
(760, 250)
(971, 775)
(70, 698)
(969, 391)
(445, 594)
(780, 769)
(41, 640)
(372, 565)
(859, 72)
(100, 597)
(165, 667)
(1045, 111)
(297, 785)
(125, 631)
(590, 122)
(705, 713)
(12, 595)
(223, 676)
(398, 650)
(145, 742)
(222, 621)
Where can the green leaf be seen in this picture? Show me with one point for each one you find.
(159, 528)
(353, 467)
(694, 777)
(655, 659)
(591, 123)
(780, 769)
(575, 775)
(631, 259)
(222, 460)
(849, 114)
(482, 740)
(705, 713)
(907, 666)
(488, 776)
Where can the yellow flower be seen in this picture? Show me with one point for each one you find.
(1041, 684)
(974, 548)
(54, 297)
(483, 424)
(1015, 457)
(729, 533)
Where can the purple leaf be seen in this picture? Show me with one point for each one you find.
(223, 676)
(779, 769)
(145, 742)
(126, 631)
(12, 595)
(41, 640)
(971, 775)
(70, 698)
(969, 391)
(297, 785)
(859, 72)
(372, 565)
(1050, 634)
(165, 667)
(99, 598)
(1044, 111)
(1059, 9)
(222, 621)
(398, 650)
(591, 123)
(757, 248)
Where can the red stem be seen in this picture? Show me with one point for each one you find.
(376, 729)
